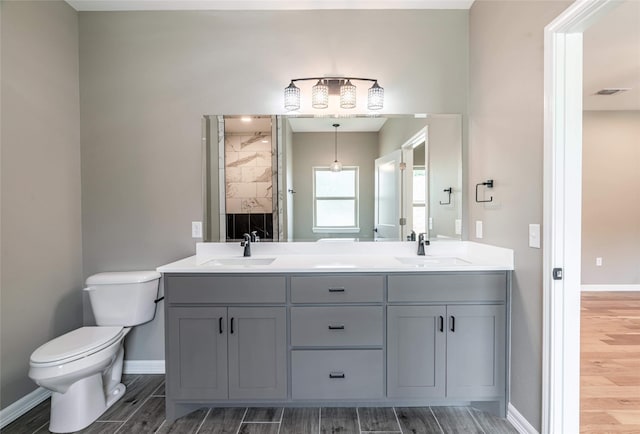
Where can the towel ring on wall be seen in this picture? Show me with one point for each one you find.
(447, 190)
(488, 184)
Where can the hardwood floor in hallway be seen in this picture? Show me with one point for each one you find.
(610, 362)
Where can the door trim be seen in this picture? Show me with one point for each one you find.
(562, 212)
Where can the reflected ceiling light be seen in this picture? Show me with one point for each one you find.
(336, 166)
(326, 86)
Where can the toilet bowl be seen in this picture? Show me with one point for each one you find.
(83, 368)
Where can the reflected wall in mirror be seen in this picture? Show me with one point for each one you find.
(401, 176)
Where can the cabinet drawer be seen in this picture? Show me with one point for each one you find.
(445, 288)
(339, 374)
(337, 289)
(336, 326)
(225, 289)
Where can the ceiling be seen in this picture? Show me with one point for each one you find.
(612, 59)
(170, 5)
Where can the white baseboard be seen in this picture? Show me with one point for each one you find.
(23, 405)
(610, 288)
(518, 421)
(143, 367)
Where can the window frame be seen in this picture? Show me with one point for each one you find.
(356, 198)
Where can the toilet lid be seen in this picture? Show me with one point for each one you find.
(77, 343)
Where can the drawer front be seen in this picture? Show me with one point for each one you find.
(337, 289)
(445, 288)
(337, 374)
(336, 326)
(225, 289)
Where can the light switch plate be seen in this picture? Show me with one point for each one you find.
(478, 228)
(598, 262)
(196, 229)
(534, 236)
(430, 223)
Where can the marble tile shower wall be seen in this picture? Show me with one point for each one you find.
(248, 173)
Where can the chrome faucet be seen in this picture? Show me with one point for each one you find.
(421, 243)
(246, 243)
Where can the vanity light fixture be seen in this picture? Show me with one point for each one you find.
(336, 166)
(326, 86)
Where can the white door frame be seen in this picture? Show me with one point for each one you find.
(562, 213)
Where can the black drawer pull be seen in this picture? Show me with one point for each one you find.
(453, 323)
(336, 327)
(441, 323)
(231, 327)
(220, 325)
(336, 289)
(336, 375)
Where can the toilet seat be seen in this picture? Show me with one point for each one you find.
(75, 345)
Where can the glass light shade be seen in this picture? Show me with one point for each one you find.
(320, 95)
(375, 101)
(347, 95)
(336, 166)
(291, 97)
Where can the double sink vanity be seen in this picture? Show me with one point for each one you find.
(338, 324)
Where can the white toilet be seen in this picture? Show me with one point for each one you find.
(83, 368)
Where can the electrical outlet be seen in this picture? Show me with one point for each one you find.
(598, 262)
(196, 229)
(478, 228)
(430, 223)
(458, 227)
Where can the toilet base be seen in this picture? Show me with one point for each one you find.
(82, 404)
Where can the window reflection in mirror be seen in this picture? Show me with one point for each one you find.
(271, 175)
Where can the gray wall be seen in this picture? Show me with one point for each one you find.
(146, 79)
(611, 197)
(506, 145)
(41, 257)
(317, 149)
(445, 171)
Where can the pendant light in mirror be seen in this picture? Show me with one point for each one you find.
(336, 166)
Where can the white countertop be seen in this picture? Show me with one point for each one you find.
(343, 257)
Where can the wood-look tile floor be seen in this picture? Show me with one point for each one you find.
(610, 362)
(141, 410)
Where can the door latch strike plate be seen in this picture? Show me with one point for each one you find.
(557, 274)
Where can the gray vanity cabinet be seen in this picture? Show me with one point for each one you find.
(197, 368)
(475, 351)
(257, 353)
(219, 349)
(228, 353)
(446, 336)
(416, 351)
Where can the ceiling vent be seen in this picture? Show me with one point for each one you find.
(611, 91)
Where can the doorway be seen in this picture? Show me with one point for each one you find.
(562, 213)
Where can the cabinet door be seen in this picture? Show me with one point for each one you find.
(257, 353)
(197, 352)
(416, 351)
(475, 351)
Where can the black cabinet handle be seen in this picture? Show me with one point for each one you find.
(441, 323)
(336, 375)
(231, 327)
(220, 325)
(453, 323)
(336, 289)
(336, 327)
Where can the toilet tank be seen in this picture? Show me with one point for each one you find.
(124, 298)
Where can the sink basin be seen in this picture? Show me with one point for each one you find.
(431, 261)
(241, 261)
